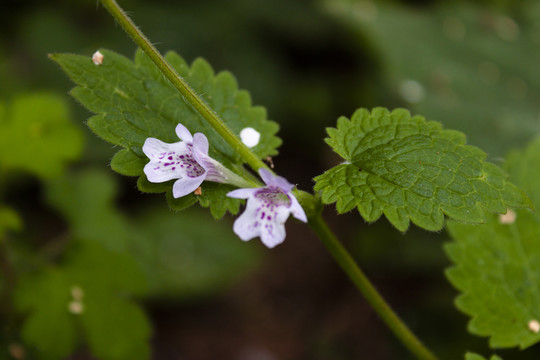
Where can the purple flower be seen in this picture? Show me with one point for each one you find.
(187, 161)
(267, 210)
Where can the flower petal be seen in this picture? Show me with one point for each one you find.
(162, 160)
(200, 143)
(273, 236)
(200, 153)
(263, 219)
(275, 181)
(215, 171)
(186, 185)
(242, 193)
(246, 225)
(183, 133)
(296, 209)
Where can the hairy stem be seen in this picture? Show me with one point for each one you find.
(347, 263)
(178, 82)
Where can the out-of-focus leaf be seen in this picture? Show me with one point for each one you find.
(86, 200)
(473, 69)
(189, 254)
(36, 135)
(497, 268)
(134, 101)
(180, 254)
(49, 328)
(412, 170)
(471, 356)
(91, 290)
(9, 220)
(524, 166)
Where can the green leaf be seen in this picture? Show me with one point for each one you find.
(36, 135)
(471, 356)
(86, 200)
(496, 265)
(9, 220)
(49, 327)
(189, 255)
(520, 166)
(214, 195)
(125, 162)
(100, 283)
(412, 170)
(133, 101)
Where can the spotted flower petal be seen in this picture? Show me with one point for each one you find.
(267, 210)
(187, 161)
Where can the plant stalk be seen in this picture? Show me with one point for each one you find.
(347, 263)
(179, 83)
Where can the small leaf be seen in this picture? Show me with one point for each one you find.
(471, 356)
(496, 265)
(36, 135)
(410, 169)
(215, 194)
(182, 203)
(125, 162)
(134, 101)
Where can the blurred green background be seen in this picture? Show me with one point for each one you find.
(187, 284)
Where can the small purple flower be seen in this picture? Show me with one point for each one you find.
(187, 161)
(267, 210)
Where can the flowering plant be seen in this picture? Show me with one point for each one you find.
(191, 133)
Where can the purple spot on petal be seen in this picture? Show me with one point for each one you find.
(170, 158)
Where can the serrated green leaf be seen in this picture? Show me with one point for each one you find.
(134, 101)
(182, 203)
(100, 282)
(36, 135)
(496, 265)
(125, 162)
(412, 170)
(215, 196)
(471, 356)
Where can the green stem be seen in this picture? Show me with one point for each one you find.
(347, 263)
(178, 82)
